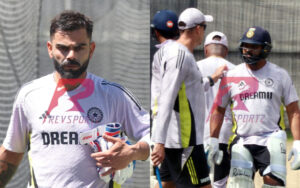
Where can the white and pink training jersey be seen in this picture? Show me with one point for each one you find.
(47, 120)
(257, 96)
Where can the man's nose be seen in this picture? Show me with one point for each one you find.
(71, 54)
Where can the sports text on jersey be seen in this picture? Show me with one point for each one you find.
(256, 95)
(249, 118)
(93, 115)
(69, 119)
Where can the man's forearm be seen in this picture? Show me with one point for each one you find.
(293, 113)
(216, 121)
(295, 126)
(9, 162)
(7, 170)
(141, 150)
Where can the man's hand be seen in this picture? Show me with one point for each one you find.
(215, 156)
(295, 164)
(117, 157)
(219, 73)
(158, 154)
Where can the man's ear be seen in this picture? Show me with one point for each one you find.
(157, 36)
(156, 33)
(49, 47)
(92, 48)
(225, 52)
(205, 52)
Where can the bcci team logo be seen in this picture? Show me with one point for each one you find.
(170, 24)
(269, 82)
(250, 32)
(95, 115)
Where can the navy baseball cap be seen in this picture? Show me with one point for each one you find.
(256, 35)
(165, 20)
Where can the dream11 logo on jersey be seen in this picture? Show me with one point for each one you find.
(244, 87)
(93, 115)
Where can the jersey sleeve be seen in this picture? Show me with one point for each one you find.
(134, 119)
(289, 91)
(223, 96)
(17, 134)
(227, 83)
(206, 83)
(173, 72)
(155, 82)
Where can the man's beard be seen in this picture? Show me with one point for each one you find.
(69, 74)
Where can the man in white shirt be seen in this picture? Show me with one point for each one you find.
(178, 130)
(257, 89)
(165, 30)
(49, 113)
(216, 50)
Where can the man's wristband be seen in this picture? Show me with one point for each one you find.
(211, 81)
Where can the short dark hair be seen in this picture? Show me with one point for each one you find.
(71, 21)
(169, 34)
(165, 34)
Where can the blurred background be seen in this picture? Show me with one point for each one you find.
(121, 33)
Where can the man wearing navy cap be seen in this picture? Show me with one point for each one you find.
(178, 122)
(164, 25)
(257, 89)
(165, 30)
